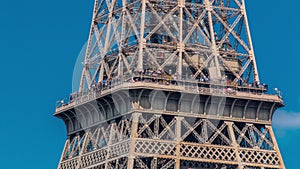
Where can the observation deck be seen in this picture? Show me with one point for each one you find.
(241, 103)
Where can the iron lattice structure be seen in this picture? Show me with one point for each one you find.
(170, 84)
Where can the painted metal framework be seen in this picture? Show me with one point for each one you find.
(156, 126)
(206, 37)
(123, 117)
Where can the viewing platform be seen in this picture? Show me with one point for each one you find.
(259, 92)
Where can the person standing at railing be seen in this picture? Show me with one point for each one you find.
(99, 86)
(109, 82)
(175, 76)
(71, 97)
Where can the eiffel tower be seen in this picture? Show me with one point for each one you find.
(170, 84)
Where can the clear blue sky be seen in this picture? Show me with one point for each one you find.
(39, 43)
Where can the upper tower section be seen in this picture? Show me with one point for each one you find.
(195, 40)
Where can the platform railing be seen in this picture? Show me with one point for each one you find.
(185, 84)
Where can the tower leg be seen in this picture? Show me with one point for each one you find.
(272, 135)
(111, 133)
(64, 152)
(234, 144)
(178, 135)
(134, 127)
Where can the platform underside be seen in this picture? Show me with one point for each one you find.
(146, 128)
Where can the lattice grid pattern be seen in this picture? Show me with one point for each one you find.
(155, 147)
(93, 158)
(207, 152)
(259, 157)
(69, 164)
(203, 165)
(199, 41)
(202, 150)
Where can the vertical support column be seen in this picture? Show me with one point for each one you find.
(109, 25)
(234, 144)
(81, 86)
(180, 47)
(178, 140)
(142, 40)
(101, 72)
(134, 128)
(120, 65)
(154, 163)
(123, 21)
(84, 144)
(156, 126)
(208, 7)
(111, 134)
(67, 144)
(120, 69)
(272, 135)
(251, 54)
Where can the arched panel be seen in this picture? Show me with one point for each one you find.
(68, 122)
(74, 118)
(221, 106)
(212, 105)
(198, 104)
(86, 116)
(127, 99)
(107, 107)
(272, 111)
(232, 107)
(258, 109)
(264, 111)
(158, 100)
(122, 104)
(144, 99)
(185, 103)
(87, 110)
(238, 108)
(115, 101)
(81, 119)
(102, 111)
(250, 112)
(94, 110)
(227, 107)
(245, 108)
(206, 104)
(173, 101)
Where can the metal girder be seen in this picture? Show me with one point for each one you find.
(185, 42)
(127, 142)
(137, 33)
